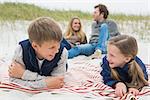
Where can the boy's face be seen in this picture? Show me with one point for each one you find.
(46, 50)
(115, 57)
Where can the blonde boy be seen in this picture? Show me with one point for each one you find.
(40, 61)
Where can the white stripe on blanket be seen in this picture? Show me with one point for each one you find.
(83, 78)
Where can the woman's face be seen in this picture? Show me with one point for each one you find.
(115, 57)
(76, 25)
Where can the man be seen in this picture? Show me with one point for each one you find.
(102, 30)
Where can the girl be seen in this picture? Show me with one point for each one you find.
(74, 34)
(122, 69)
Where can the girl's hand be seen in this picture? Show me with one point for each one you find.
(120, 89)
(134, 91)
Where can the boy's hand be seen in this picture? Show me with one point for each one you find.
(16, 70)
(134, 91)
(55, 82)
(120, 89)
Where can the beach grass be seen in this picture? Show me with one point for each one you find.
(22, 11)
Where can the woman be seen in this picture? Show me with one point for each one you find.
(74, 34)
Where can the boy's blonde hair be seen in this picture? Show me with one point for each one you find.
(44, 29)
(70, 31)
(128, 47)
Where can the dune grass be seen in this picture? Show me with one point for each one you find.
(21, 11)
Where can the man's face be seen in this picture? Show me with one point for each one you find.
(96, 15)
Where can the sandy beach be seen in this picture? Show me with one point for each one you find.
(12, 33)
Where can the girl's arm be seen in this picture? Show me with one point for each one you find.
(106, 74)
(143, 67)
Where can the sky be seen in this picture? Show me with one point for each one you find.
(135, 7)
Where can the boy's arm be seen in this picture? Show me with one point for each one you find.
(41, 81)
(47, 82)
(62, 64)
(27, 75)
(33, 84)
(58, 71)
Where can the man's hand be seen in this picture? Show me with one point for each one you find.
(16, 70)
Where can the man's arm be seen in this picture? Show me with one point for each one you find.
(113, 28)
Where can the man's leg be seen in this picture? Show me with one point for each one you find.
(87, 49)
(103, 38)
(84, 49)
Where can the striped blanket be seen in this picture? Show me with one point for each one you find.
(83, 79)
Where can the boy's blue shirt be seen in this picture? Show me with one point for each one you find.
(123, 72)
(31, 62)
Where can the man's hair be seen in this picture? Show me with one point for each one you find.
(44, 29)
(103, 9)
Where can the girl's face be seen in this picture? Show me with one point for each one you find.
(76, 25)
(115, 57)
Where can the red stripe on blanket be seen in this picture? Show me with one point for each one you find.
(88, 86)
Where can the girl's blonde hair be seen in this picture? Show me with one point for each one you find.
(128, 47)
(70, 31)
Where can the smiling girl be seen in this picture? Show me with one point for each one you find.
(121, 68)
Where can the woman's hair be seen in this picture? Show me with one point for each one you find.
(128, 47)
(70, 30)
(44, 29)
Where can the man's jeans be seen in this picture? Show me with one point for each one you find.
(88, 49)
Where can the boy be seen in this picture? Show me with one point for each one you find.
(40, 61)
